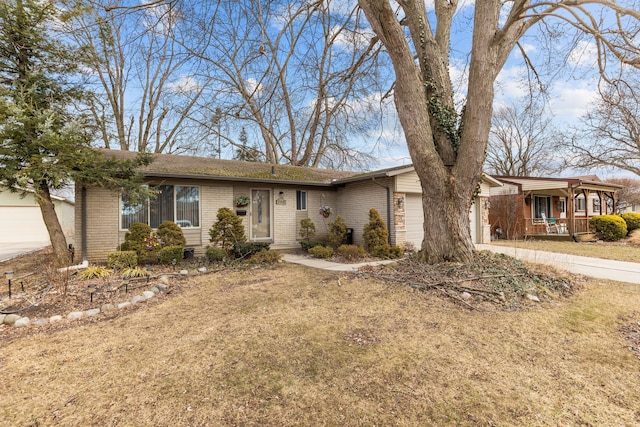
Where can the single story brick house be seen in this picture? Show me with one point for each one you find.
(192, 189)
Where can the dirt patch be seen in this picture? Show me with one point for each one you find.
(631, 332)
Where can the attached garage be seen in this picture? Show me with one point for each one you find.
(414, 219)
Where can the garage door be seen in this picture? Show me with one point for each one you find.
(22, 224)
(414, 219)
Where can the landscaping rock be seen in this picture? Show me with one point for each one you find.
(155, 290)
(54, 319)
(75, 315)
(21, 322)
(92, 312)
(148, 294)
(533, 298)
(202, 269)
(137, 299)
(10, 319)
(40, 322)
(164, 280)
(465, 295)
(2, 316)
(161, 287)
(184, 272)
(124, 305)
(107, 308)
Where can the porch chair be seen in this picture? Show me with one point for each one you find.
(549, 227)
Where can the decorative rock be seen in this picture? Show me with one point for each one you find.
(137, 299)
(148, 294)
(10, 319)
(465, 295)
(40, 322)
(202, 269)
(161, 287)
(124, 305)
(155, 290)
(107, 308)
(2, 316)
(21, 322)
(54, 319)
(533, 298)
(184, 272)
(164, 280)
(92, 312)
(75, 315)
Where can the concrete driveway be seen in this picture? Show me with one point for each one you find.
(593, 267)
(10, 250)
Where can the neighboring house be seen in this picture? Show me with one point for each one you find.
(555, 207)
(21, 218)
(193, 189)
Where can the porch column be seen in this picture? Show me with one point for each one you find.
(571, 226)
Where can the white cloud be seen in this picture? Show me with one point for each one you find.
(183, 85)
(584, 54)
(571, 100)
(253, 86)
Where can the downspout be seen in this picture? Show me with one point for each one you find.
(388, 208)
(83, 223)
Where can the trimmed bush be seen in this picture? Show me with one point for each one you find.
(265, 256)
(307, 229)
(337, 232)
(94, 272)
(609, 227)
(170, 253)
(122, 259)
(308, 244)
(321, 252)
(351, 252)
(215, 253)
(227, 230)
(376, 236)
(244, 249)
(170, 234)
(138, 239)
(632, 219)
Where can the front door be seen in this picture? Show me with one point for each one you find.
(260, 214)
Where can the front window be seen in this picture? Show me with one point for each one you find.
(541, 206)
(301, 200)
(596, 205)
(580, 204)
(179, 204)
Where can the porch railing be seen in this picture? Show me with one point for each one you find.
(536, 225)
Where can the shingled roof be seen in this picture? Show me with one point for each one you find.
(177, 166)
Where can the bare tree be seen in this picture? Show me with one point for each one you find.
(521, 141)
(302, 74)
(610, 137)
(629, 195)
(146, 85)
(448, 147)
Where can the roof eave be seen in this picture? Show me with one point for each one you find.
(234, 178)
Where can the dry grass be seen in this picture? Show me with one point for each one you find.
(294, 346)
(621, 251)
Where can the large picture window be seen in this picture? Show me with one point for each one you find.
(541, 205)
(180, 204)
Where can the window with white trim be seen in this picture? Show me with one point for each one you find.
(301, 200)
(541, 205)
(179, 204)
(580, 203)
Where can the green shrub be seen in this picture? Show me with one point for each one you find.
(321, 251)
(122, 259)
(308, 244)
(168, 254)
(307, 229)
(94, 272)
(227, 230)
(632, 219)
(337, 232)
(215, 253)
(140, 239)
(265, 256)
(376, 235)
(170, 234)
(351, 252)
(609, 227)
(244, 249)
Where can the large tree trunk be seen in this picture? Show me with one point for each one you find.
(58, 240)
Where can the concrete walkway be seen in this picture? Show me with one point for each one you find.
(593, 267)
(329, 265)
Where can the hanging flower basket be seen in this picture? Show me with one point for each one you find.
(242, 201)
(326, 211)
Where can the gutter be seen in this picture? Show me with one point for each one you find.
(373, 179)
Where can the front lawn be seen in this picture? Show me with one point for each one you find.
(620, 251)
(289, 345)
